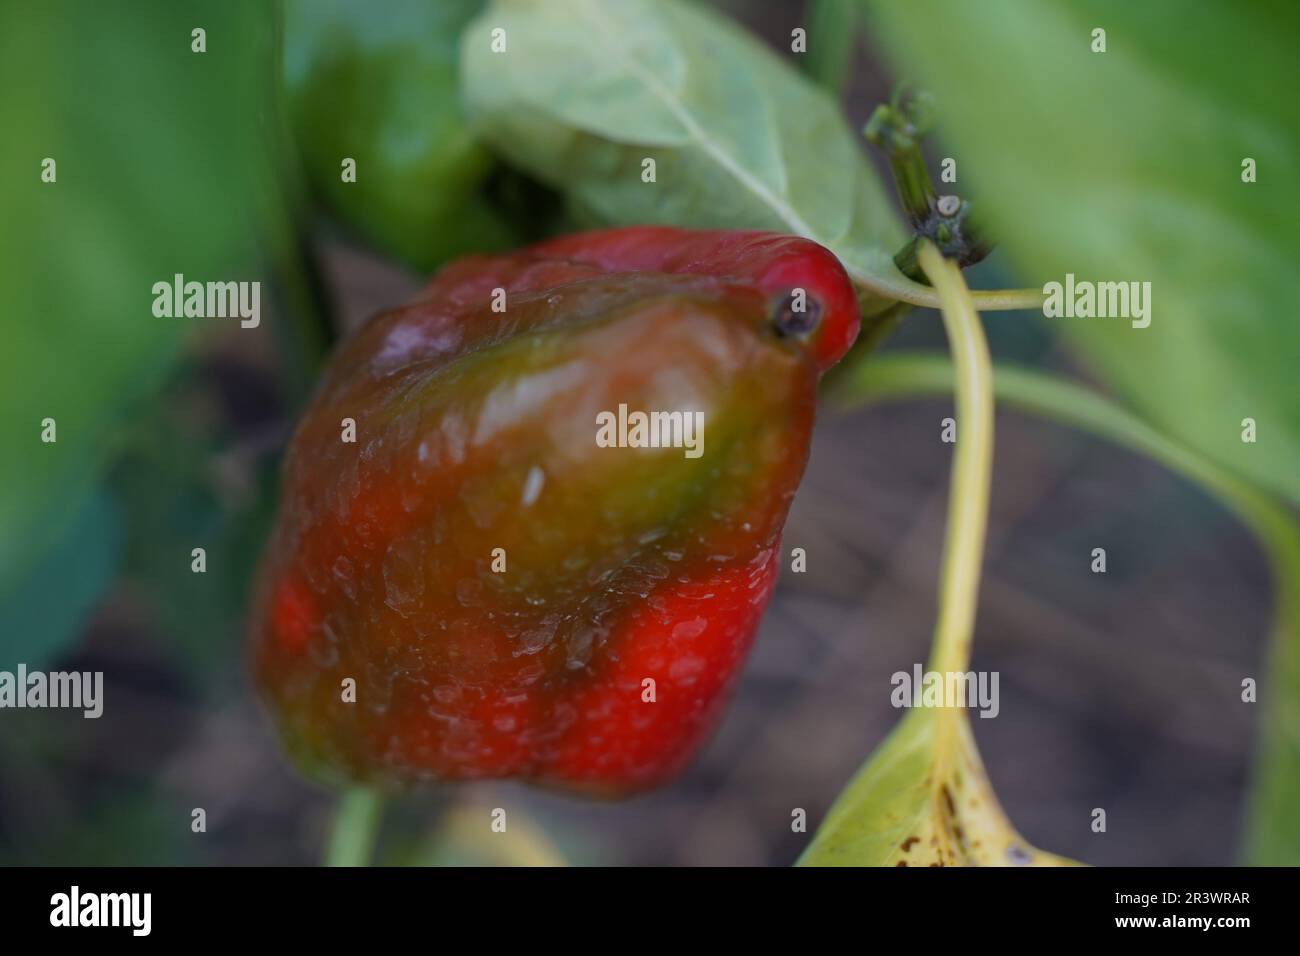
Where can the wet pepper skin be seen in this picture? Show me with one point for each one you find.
(475, 431)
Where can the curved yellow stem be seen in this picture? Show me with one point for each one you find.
(972, 468)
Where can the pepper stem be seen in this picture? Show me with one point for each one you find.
(356, 824)
(898, 128)
(972, 476)
(972, 467)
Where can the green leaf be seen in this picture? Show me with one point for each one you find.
(381, 89)
(1127, 165)
(1273, 836)
(42, 614)
(586, 91)
(923, 799)
(161, 168)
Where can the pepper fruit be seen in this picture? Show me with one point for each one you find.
(511, 598)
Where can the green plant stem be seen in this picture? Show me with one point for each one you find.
(922, 296)
(968, 495)
(972, 466)
(1273, 830)
(999, 300)
(356, 823)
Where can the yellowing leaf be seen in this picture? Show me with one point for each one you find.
(923, 799)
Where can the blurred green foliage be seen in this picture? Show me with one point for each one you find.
(1127, 165)
(380, 88)
(162, 166)
(130, 827)
(44, 610)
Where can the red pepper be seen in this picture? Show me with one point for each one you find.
(510, 597)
